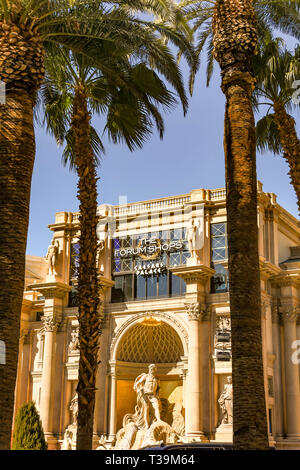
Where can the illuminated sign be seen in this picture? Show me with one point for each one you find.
(150, 248)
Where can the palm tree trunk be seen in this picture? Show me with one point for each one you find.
(290, 144)
(17, 150)
(88, 285)
(234, 42)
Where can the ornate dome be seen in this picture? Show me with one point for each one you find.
(150, 341)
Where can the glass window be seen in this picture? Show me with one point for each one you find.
(127, 287)
(140, 287)
(117, 290)
(163, 285)
(117, 244)
(219, 242)
(175, 285)
(219, 282)
(74, 263)
(117, 265)
(126, 264)
(151, 287)
(184, 256)
(174, 259)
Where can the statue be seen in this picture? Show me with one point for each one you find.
(74, 408)
(195, 237)
(146, 426)
(101, 249)
(70, 434)
(51, 257)
(148, 386)
(225, 401)
(74, 343)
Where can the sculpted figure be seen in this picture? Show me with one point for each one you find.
(102, 246)
(148, 386)
(74, 408)
(225, 401)
(51, 257)
(74, 343)
(195, 237)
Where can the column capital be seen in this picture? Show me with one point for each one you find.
(196, 311)
(289, 314)
(50, 323)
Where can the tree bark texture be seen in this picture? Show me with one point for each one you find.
(88, 284)
(17, 150)
(235, 40)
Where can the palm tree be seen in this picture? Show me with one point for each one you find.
(31, 30)
(231, 29)
(276, 70)
(72, 92)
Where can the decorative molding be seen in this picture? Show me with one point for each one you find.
(223, 322)
(171, 320)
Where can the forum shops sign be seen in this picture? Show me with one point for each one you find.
(150, 248)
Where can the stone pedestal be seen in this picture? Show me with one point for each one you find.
(224, 433)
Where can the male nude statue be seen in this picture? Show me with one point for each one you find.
(51, 257)
(148, 385)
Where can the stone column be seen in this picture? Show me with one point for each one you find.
(46, 408)
(56, 298)
(113, 405)
(289, 317)
(278, 396)
(194, 386)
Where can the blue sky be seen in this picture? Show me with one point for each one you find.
(189, 157)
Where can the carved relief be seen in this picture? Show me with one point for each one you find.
(223, 338)
(73, 347)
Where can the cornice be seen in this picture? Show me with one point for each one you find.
(51, 289)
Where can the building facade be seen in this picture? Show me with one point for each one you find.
(163, 269)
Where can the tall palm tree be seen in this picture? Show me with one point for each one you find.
(29, 31)
(231, 29)
(277, 70)
(72, 92)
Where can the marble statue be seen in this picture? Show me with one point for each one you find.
(74, 408)
(51, 257)
(195, 237)
(146, 426)
(70, 434)
(147, 385)
(74, 343)
(102, 247)
(225, 402)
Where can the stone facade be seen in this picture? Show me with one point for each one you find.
(165, 307)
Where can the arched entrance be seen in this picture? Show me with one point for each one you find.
(147, 340)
